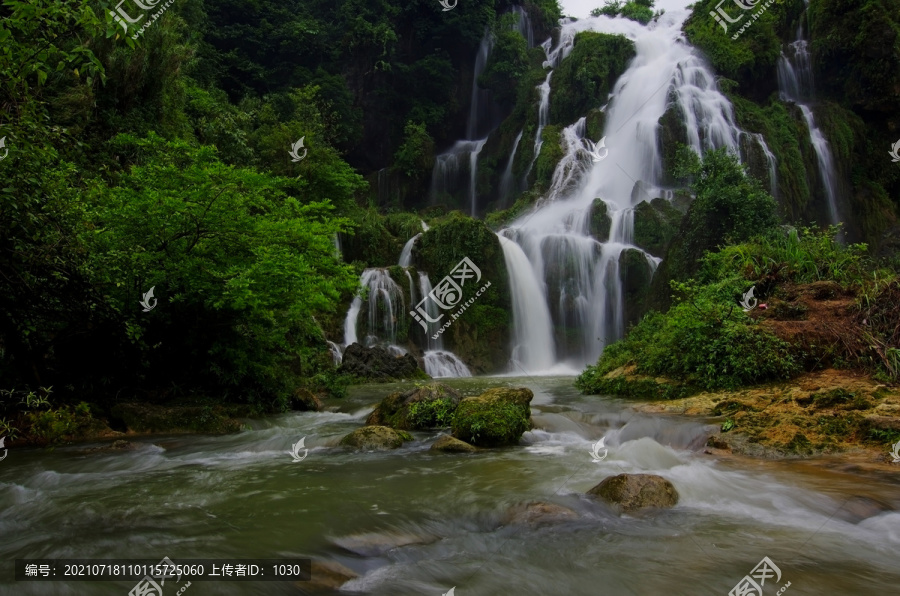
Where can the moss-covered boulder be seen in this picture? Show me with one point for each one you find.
(374, 438)
(636, 274)
(630, 492)
(655, 224)
(148, 418)
(550, 155)
(594, 123)
(480, 334)
(427, 406)
(305, 401)
(600, 221)
(495, 418)
(584, 79)
(449, 444)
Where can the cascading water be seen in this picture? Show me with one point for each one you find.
(523, 25)
(506, 180)
(439, 363)
(385, 306)
(566, 287)
(543, 116)
(795, 83)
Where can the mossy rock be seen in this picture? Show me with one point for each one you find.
(495, 418)
(636, 274)
(618, 382)
(450, 444)
(655, 224)
(377, 438)
(594, 123)
(428, 406)
(146, 418)
(630, 492)
(305, 401)
(600, 221)
(550, 156)
(671, 135)
(583, 80)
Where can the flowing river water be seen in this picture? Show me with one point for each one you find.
(413, 521)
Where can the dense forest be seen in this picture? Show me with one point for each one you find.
(163, 155)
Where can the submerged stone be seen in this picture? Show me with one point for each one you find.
(630, 492)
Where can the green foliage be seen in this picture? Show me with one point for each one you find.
(490, 424)
(54, 426)
(638, 10)
(803, 256)
(432, 413)
(506, 65)
(415, 156)
(702, 340)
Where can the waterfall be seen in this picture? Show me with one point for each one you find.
(566, 287)
(406, 253)
(385, 307)
(473, 175)
(506, 180)
(795, 84)
(523, 25)
(448, 167)
(336, 354)
(532, 328)
(480, 108)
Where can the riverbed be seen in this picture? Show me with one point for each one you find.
(412, 521)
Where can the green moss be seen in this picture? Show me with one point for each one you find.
(655, 224)
(551, 154)
(490, 424)
(584, 79)
(431, 414)
(600, 220)
(594, 123)
(642, 388)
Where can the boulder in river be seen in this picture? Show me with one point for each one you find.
(427, 406)
(305, 401)
(537, 513)
(377, 438)
(377, 364)
(326, 577)
(495, 418)
(451, 445)
(631, 492)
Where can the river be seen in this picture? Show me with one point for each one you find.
(242, 496)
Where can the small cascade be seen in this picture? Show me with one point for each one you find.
(336, 239)
(385, 306)
(406, 253)
(448, 170)
(337, 355)
(432, 310)
(442, 364)
(481, 108)
(795, 84)
(473, 175)
(543, 117)
(506, 180)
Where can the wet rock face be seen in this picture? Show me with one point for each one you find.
(377, 364)
(428, 406)
(305, 401)
(631, 492)
(495, 418)
(448, 444)
(377, 438)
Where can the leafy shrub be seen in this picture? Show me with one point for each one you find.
(55, 425)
